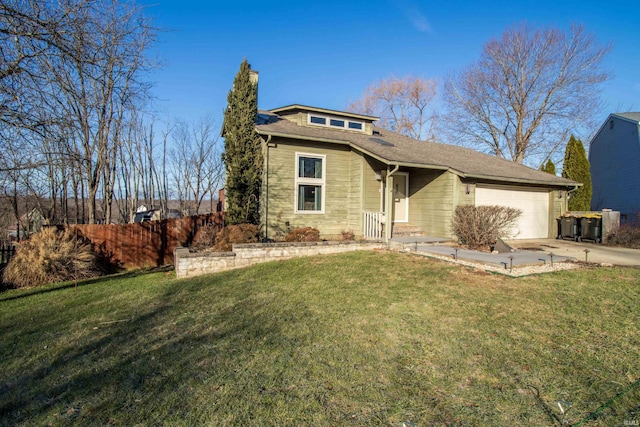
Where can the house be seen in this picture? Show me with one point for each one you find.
(28, 224)
(336, 171)
(143, 214)
(614, 155)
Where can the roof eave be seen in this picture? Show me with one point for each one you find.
(324, 111)
(524, 181)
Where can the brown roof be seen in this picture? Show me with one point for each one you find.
(394, 149)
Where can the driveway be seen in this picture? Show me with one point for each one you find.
(567, 248)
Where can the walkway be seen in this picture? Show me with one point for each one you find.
(431, 245)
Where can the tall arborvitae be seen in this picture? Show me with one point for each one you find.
(549, 167)
(576, 168)
(243, 156)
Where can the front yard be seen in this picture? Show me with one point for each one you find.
(364, 338)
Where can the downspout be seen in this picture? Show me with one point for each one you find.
(388, 209)
(266, 196)
(567, 196)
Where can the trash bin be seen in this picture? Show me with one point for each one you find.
(591, 229)
(569, 228)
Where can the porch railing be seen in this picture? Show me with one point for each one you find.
(373, 225)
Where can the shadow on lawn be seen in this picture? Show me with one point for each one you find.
(144, 369)
(45, 289)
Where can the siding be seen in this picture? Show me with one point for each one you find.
(431, 201)
(462, 198)
(557, 207)
(342, 193)
(372, 188)
(614, 155)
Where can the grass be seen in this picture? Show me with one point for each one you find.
(363, 338)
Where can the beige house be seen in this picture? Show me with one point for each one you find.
(336, 171)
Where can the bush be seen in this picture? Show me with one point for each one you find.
(205, 236)
(480, 226)
(51, 256)
(627, 235)
(348, 235)
(303, 234)
(240, 233)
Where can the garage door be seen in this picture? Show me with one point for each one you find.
(534, 221)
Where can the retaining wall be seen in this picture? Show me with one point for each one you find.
(188, 264)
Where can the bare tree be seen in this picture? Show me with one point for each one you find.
(197, 167)
(96, 84)
(526, 92)
(403, 105)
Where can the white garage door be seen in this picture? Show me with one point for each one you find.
(534, 221)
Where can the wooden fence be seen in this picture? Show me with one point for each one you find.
(145, 244)
(7, 251)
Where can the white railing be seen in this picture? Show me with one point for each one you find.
(373, 225)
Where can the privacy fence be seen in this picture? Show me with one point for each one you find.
(145, 244)
(7, 251)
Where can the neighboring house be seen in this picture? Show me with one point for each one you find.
(29, 223)
(143, 214)
(614, 155)
(336, 171)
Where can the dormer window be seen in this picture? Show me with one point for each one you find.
(335, 122)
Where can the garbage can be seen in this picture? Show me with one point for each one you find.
(569, 228)
(591, 229)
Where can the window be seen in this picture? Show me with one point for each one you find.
(310, 183)
(335, 122)
(317, 120)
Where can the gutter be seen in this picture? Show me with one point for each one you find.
(266, 205)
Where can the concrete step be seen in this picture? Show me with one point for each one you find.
(406, 230)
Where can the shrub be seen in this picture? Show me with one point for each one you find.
(240, 233)
(51, 256)
(205, 236)
(348, 235)
(627, 235)
(481, 226)
(303, 234)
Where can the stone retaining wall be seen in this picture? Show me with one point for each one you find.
(188, 264)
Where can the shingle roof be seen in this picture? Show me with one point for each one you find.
(392, 148)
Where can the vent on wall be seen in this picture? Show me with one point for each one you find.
(611, 124)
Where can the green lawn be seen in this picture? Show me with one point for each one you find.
(368, 338)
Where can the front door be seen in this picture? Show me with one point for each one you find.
(400, 197)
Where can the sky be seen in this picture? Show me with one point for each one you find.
(325, 53)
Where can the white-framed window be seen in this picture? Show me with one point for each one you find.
(310, 183)
(335, 122)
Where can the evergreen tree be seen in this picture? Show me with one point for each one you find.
(576, 168)
(549, 167)
(243, 152)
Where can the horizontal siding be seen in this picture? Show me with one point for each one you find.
(461, 192)
(372, 188)
(614, 157)
(431, 201)
(557, 207)
(342, 195)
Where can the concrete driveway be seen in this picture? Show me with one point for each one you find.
(567, 248)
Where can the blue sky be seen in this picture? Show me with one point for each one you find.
(325, 53)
